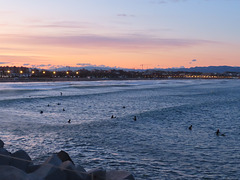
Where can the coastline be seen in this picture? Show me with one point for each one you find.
(58, 79)
(55, 79)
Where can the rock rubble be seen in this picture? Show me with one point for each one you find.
(59, 166)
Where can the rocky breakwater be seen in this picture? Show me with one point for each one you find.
(59, 166)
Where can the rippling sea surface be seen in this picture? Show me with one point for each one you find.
(158, 145)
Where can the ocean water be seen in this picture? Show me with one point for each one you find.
(158, 145)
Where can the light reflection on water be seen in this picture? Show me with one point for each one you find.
(156, 146)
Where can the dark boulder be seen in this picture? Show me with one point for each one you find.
(97, 174)
(64, 156)
(5, 157)
(48, 167)
(58, 174)
(119, 175)
(21, 160)
(73, 173)
(80, 169)
(12, 173)
(1, 144)
(32, 168)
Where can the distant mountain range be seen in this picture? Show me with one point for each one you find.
(208, 69)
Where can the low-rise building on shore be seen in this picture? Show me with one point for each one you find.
(34, 74)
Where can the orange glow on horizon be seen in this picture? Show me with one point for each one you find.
(49, 57)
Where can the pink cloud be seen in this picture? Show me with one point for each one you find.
(60, 24)
(9, 59)
(97, 41)
(125, 15)
(13, 49)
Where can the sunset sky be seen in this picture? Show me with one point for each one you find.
(119, 33)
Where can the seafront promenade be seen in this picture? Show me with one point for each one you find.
(24, 74)
(54, 79)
